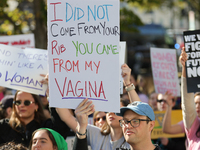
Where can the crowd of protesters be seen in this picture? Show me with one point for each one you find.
(27, 122)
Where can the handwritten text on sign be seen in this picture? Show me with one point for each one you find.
(21, 69)
(19, 41)
(84, 53)
(164, 68)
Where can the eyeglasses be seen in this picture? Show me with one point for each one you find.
(134, 122)
(97, 119)
(26, 102)
(162, 100)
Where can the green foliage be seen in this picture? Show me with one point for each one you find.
(3, 3)
(43, 11)
(13, 22)
(149, 5)
(195, 6)
(145, 4)
(128, 20)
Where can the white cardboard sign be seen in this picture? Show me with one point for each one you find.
(21, 68)
(83, 44)
(164, 68)
(19, 41)
(122, 53)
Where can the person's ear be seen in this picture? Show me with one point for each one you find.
(152, 124)
(36, 107)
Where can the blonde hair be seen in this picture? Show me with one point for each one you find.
(197, 94)
(94, 116)
(105, 130)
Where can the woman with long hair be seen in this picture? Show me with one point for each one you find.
(27, 116)
(99, 118)
(97, 139)
(113, 139)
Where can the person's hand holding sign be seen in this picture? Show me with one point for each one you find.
(65, 114)
(130, 87)
(183, 58)
(84, 109)
(126, 73)
(45, 81)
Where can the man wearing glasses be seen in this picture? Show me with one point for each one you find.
(137, 123)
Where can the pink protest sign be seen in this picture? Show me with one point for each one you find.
(164, 69)
(83, 50)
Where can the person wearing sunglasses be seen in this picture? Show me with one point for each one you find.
(153, 97)
(167, 127)
(137, 124)
(163, 142)
(95, 138)
(99, 118)
(89, 135)
(161, 103)
(27, 116)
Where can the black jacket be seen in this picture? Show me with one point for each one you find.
(23, 136)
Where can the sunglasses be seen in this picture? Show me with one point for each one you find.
(160, 101)
(26, 102)
(97, 119)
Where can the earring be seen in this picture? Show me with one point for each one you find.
(36, 110)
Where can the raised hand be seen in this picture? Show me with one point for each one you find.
(126, 73)
(183, 57)
(84, 109)
(169, 98)
(45, 81)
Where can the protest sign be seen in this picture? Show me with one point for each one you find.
(19, 41)
(176, 117)
(21, 68)
(122, 52)
(164, 69)
(192, 48)
(83, 44)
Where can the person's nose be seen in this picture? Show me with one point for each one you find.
(111, 113)
(37, 144)
(22, 104)
(128, 125)
(101, 120)
(163, 102)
